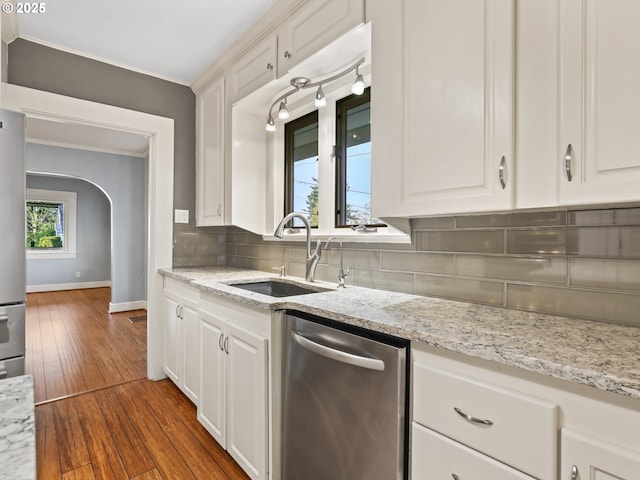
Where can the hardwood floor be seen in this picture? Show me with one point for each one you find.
(141, 430)
(124, 426)
(74, 345)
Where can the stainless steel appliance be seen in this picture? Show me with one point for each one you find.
(12, 253)
(344, 410)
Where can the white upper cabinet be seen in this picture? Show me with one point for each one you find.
(256, 68)
(442, 119)
(599, 99)
(315, 26)
(210, 156)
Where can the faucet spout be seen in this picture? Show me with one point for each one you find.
(342, 274)
(312, 259)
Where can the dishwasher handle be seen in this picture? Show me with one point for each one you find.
(338, 355)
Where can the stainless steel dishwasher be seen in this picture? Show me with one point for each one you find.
(344, 402)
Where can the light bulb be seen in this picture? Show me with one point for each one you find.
(283, 112)
(320, 100)
(358, 86)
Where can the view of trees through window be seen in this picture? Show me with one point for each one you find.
(44, 225)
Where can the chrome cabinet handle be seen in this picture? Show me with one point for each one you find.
(178, 311)
(338, 355)
(567, 162)
(503, 161)
(181, 312)
(4, 318)
(455, 477)
(287, 54)
(269, 66)
(574, 473)
(219, 209)
(220, 342)
(471, 419)
(226, 345)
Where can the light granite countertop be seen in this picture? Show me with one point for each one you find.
(17, 429)
(597, 354)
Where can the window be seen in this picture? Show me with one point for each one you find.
(51, 224)
(353, 161)
(301, 168)
(45, 224)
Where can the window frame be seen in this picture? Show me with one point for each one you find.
(69, 200)
(343, 105)
(290, 128)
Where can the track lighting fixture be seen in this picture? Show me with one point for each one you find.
(320, 100)
(358, 85)
(300, 83)
(283, 112)
(271, 125)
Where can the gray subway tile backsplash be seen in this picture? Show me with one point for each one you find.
(473, 241)
(522, 269)
(580, 263)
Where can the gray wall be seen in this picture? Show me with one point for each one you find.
(123, 179)
(36, 66)
(569, 262)
(93, 236)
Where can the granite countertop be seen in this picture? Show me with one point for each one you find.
(17, 429)
(587, 352)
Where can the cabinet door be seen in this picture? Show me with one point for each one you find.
(212, 403)
(191, 353)
(594, 459)
(172, 339)
(599, 101)
(436, 456)
(256, 68)
(247, 400)
(454, 150)
(315, 26)
(210, 115)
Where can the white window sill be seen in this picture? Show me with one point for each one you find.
(345, 235)
(35, 255)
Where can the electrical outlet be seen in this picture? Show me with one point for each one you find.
(77, 274)
(181, 216)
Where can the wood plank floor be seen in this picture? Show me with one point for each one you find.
(124, 426)
(141, 430)
(74, 345)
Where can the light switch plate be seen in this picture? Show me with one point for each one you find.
(181, 216)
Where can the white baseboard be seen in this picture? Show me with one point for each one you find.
(56, 287)
(126, 306)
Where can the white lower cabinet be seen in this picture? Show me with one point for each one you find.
(182, 338)
(588, 458)
(234, 401)
(436, 456)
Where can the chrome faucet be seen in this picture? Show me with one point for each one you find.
(342, 274)
(312, 260)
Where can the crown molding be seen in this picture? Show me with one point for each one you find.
(263, 27)
(102, 60)
(9, 24)
(50, 143)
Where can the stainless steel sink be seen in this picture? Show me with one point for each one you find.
(275, 288)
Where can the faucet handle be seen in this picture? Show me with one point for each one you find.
(341, 277)
(281, 268)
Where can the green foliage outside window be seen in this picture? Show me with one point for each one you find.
(44, 223)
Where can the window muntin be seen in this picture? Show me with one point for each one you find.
(353, 166)
(301, 168)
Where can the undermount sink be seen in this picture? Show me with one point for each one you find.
(274, 288)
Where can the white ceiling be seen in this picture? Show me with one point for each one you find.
(174, 40)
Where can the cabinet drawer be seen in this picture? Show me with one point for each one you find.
(519, 430)
(436, 456)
